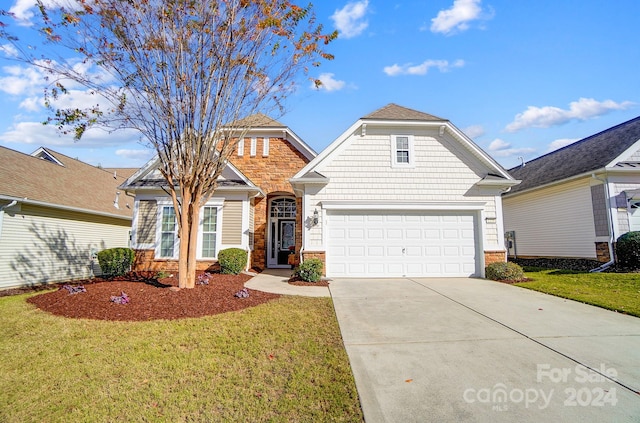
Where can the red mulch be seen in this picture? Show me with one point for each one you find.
(299, 282)
(150, 299)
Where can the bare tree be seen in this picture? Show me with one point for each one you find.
(181, 72)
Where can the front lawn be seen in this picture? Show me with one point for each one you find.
(613, 291)
(283, 361)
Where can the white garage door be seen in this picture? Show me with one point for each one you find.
(389, 244)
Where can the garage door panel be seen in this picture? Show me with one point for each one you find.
(391, 244)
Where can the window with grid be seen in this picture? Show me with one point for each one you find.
(402, 150)
(168, 232)
(283, 207)
(209, 228)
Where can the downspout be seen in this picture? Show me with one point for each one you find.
(612, 260)
(11, 204)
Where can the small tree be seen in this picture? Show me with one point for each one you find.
(182, 73)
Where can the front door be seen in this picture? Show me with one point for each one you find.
(282, 232)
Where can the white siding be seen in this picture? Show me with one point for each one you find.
(619, 189)
(362, 171)
(553, 222)
(39, 245)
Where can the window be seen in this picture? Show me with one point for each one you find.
(241, 147)
(168, 232)
(254, 143)
(402, 150)
(209, 227)
(283, 207)
(265, 146)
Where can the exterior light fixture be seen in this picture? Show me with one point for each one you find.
(316, 217)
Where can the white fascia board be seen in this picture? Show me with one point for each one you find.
(625, 154)
(286, 133)
(146, 168)
(66, 208)
(328, 150)
(600, 171)
(50, 156)
(426, 205)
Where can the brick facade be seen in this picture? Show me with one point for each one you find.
(494, 257)
(602, 252)
(145, 261)
(270, 173)
(319, 255)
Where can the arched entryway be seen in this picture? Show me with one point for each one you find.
(281, 231)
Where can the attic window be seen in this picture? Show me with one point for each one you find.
(241, 147)
(402, 150)
(43, 154)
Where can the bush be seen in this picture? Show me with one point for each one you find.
(628, 250)
(310, 270)
(232, 260)
(504, 272)
(115, 261)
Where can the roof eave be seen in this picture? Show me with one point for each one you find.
(66, 208)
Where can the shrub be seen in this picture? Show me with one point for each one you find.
(504, 272)
(115, 261)
(232, 260)
(310, 270)
(628, 250)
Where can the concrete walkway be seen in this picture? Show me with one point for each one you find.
(275, 281)
(453, 350)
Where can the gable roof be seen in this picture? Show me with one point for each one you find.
(259, 120)
(394, 112)
(51, 179)
(587, 155)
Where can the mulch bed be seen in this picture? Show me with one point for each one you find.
(150, 298)
(299, 282)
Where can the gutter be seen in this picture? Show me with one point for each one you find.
(612, 260)
(11, 204)
(67, 208)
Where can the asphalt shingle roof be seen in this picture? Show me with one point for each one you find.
(76, 184)
(586, 155)
(394, 112)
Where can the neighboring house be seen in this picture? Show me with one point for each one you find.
(253, 208)
(55, 212)
(402, 193)
(576, 201)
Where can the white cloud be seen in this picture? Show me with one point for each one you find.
(457, 17)
(38, 134)
(544, 117)
(501, 148)
(474, 131)
(9, 50)
(138, 155)
(329, 83)
(559, 143)
(350, 20)
(423, 68)
(23, 9)
(22, 80)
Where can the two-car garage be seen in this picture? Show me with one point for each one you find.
(381, 243)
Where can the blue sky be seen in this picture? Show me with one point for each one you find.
(520, 78)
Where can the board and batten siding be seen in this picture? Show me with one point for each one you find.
(553, 222)
(146, 222)
(232, 223)
(40, 245)
(442, 172)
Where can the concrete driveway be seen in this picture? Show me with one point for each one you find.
(451, 350)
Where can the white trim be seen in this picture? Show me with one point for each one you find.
(252, 149)
(394, 151)
(265, 146)
(241, 147)
(218, 232)
(459, 136)
(49, 156)
(66, 208)
(427, 205)
(625, 154)
(176, 242)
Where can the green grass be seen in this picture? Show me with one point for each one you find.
(283, 361)
(613, 291)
